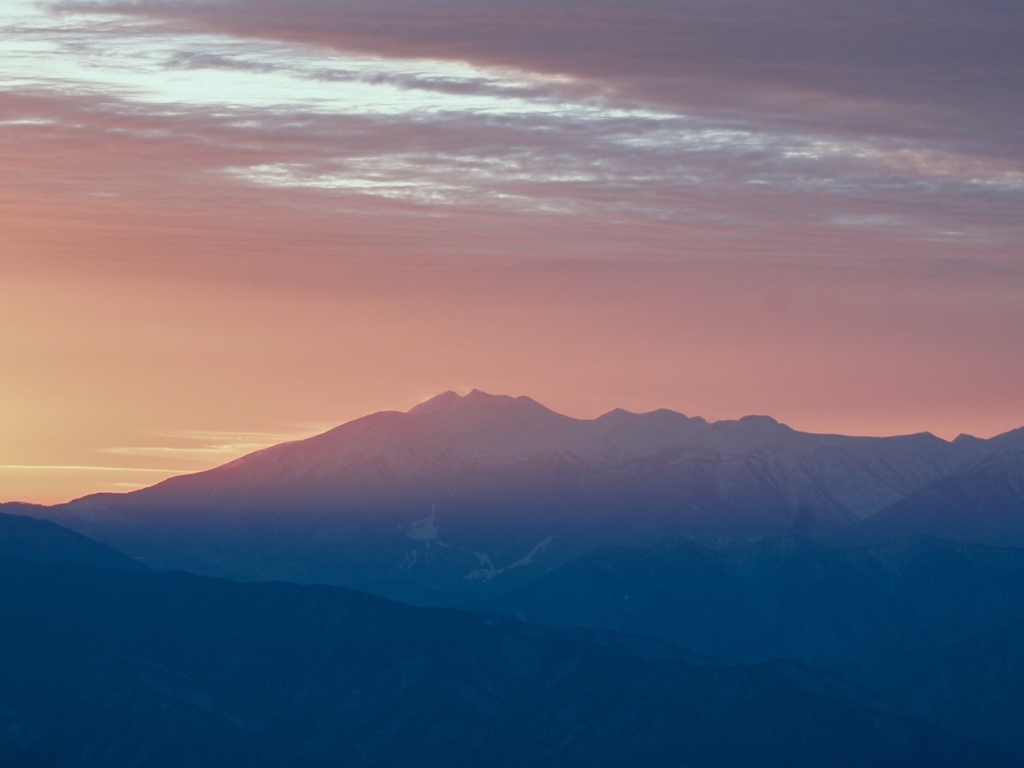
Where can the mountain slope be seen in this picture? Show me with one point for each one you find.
(42, 541)
(984, 502)
(932, 627)
(971, 681)
(465, 497)
(829, 475)
(106, 668)
(792, 597)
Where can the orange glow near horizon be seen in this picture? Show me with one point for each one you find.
(145, 372)
(301, 226)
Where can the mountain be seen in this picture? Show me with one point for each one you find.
(465, 497)
(42, 541)
(984, 502)
(788, 597)
(832, 606)
(864, 586)
(107, 668)
(931, 627)
(753, 459)
(972, 681)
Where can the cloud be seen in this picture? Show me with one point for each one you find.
(595, 118)
(254, 212)
(209, 447)
(85, 468)
(874, 65)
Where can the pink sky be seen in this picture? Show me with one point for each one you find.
(221, 230)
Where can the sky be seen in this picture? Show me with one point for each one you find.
(228, 223)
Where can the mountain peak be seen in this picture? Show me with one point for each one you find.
(436, 403)
(475, 400)
(767, 421)
(616, 413)
(1015, 437)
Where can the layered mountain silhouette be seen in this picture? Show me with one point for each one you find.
(633, 589)
(754, 460)
(110, 668)
(930, 626)
(791, 597)
(465, 497)
(41, 541)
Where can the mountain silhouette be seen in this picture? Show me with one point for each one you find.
(467, 496)
(109, 668)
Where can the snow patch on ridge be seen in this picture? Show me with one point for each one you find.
(487, 571)
(424, 529)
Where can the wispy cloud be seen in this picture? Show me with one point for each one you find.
(206, 447)
(405, 109)
(864, 66)
(87, 468)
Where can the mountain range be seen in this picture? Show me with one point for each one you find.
(465, 497)
(113, 666)
(647, 588)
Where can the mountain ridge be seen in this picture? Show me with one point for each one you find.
(496, 476)
(110, 668)
(452, 431)
(491, 429)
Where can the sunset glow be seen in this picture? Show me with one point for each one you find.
(229, 223)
